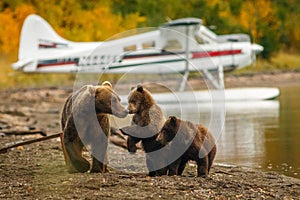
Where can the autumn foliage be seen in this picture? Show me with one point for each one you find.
(272, 23)
(71, 19)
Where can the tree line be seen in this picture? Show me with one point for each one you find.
(271, 23)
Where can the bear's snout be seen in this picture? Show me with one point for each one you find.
(131, 112)
(121, 113)
(131, 109)
(160, 138)
(124, 113)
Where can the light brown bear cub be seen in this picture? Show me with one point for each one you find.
(191, 141)
(84, 120)
(147, 121)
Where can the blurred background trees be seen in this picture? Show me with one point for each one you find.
(272, 23)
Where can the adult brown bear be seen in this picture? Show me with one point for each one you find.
(187, 141)
(84, 121)
(147, 121)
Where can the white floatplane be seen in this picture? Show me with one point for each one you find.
(179, 46)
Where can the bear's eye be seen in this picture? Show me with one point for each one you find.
(114, 100)
(132, 101)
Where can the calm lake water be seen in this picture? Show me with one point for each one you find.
(263, 134)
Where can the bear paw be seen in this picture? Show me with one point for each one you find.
(81, 166)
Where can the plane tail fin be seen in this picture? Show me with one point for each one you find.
(37, 34)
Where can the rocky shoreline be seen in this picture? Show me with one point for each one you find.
(37, 171)
(272, 79)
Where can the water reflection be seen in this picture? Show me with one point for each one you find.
(259, 134)
(282, 142)
(243, 141)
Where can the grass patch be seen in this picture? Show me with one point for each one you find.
(278, 63)
(10, 78)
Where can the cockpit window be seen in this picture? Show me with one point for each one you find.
(130, 48)
(199, 40)
(148, 45)
(172, 45)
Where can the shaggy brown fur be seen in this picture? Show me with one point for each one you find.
(191, 141)
(84, 120)
(147, 120)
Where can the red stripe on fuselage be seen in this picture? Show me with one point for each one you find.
(215, 53)
(195, 55)
(46, 46)
(56, 64)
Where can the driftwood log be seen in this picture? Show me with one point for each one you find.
(4, 150)
(116, 138)
(17, 132)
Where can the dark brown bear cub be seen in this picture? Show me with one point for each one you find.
(147, 121)
(191, 141)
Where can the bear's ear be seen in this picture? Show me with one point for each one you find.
(140, 88)
(107, 83)
(173, 120)
(132, 88)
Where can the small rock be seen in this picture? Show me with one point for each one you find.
(20, 148)
(29, 189)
